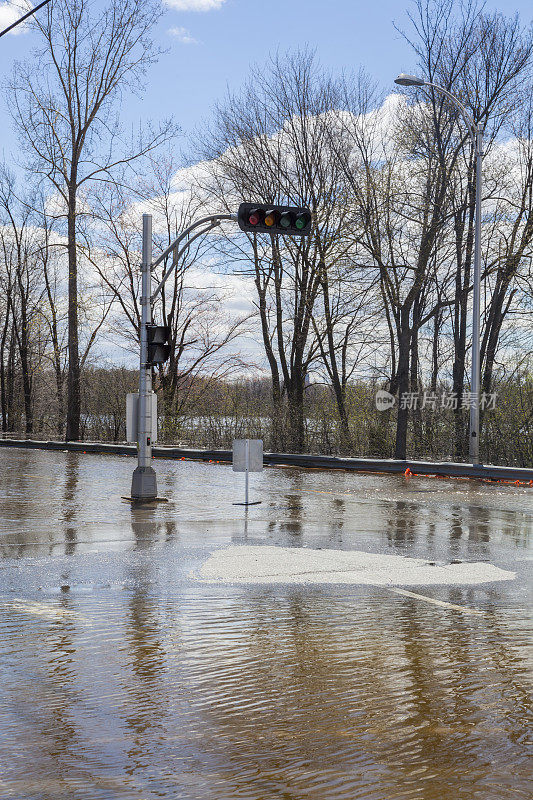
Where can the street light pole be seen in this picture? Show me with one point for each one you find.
(476, 312)
(476, 136)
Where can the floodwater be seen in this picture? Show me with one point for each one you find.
(123, 676)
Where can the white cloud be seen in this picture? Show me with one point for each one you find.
(194, 5)
(10, 12)
(182, 35)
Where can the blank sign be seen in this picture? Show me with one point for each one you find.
(248, 455)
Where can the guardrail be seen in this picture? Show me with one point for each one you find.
(441, 468)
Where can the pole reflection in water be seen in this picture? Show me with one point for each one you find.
(70, 508)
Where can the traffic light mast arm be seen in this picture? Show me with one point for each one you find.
(211, 222)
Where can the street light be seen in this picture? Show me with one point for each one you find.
(477, 142)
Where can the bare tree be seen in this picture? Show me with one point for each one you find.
(273, 144)
(62, 104)
(485, 59)
(203, 335)
(20, 245)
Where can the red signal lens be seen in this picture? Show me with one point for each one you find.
(255, 216)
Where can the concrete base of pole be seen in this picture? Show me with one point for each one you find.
(136, 502)
(144, 484)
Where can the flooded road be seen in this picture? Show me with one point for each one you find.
(124, 676)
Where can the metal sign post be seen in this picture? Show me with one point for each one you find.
(247, 457)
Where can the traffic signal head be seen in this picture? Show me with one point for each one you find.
(158, 347)
(254, 218)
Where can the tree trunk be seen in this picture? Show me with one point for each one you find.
(295, 397)
(25, 366)
(10, 384)
(437, 323)
(73, 381)
(339, 387)
(3, 386)
(462, 282)
(402, 377)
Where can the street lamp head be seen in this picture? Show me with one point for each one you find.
(409, 80)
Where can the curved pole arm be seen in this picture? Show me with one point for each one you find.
(187, 231)
(466, 116)
(185, 247)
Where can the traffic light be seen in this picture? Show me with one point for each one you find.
(158, 347)
(254, 218)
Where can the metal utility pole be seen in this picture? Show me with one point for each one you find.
(476, 136)
(476, 310)
(144, 481)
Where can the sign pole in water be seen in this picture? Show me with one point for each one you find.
(247, 457)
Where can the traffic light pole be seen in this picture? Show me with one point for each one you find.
(298, 222)
(144, 481)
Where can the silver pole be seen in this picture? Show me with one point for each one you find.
(476, 311)
(144, 483)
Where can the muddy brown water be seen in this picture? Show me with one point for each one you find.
(124, 677)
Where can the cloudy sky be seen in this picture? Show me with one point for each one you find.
(212, 44)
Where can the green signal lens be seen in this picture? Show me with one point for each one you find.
(302, 221)
(286, 220)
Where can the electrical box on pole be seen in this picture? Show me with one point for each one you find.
(132, 416)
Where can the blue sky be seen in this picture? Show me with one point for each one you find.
(214, 48)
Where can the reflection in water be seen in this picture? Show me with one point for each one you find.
(70, 508)
(134, 681)
(373, 698)
(403, 523)
(148, 530)
(146, 706)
